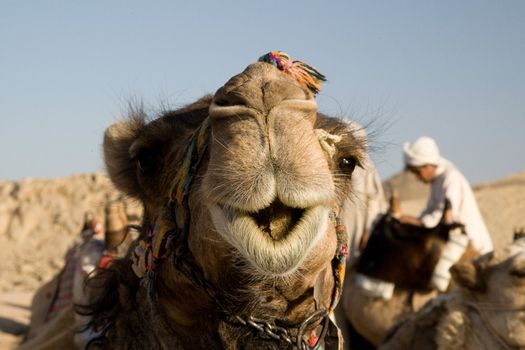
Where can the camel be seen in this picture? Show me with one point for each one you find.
(52, 298)
(241, 246)
(54, 323)
(487, 311)
(396, 273)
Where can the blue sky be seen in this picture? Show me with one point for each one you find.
(453, 70)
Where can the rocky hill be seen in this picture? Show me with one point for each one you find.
(39, 220)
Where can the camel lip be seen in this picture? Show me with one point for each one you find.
(269, 255)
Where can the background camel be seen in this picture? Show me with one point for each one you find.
(487, 312)
(54, 323)
(241, 247)
(396, 273)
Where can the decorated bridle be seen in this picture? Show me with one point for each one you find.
(163, 238)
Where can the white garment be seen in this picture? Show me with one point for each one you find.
(365, 204)
(450, 183)
(90, 252)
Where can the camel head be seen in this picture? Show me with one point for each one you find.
(250, 179)
(272, 178)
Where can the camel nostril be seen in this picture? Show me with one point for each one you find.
(222, 102)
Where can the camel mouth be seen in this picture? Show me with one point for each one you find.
(276, 239)
(277, 219)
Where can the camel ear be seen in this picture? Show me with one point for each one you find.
(466, 275)
(120, 164)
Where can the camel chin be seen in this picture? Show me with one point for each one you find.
(268, 255)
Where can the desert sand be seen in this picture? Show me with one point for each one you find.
(41, 218)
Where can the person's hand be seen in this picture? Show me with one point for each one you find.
(411, 220)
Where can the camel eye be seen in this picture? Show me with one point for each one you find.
(347, 164)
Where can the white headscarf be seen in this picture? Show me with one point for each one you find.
(423, 151)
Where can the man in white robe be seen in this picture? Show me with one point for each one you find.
(446, 182)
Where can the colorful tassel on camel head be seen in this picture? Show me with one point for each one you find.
(305, 74)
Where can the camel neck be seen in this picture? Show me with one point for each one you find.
(290, 302)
